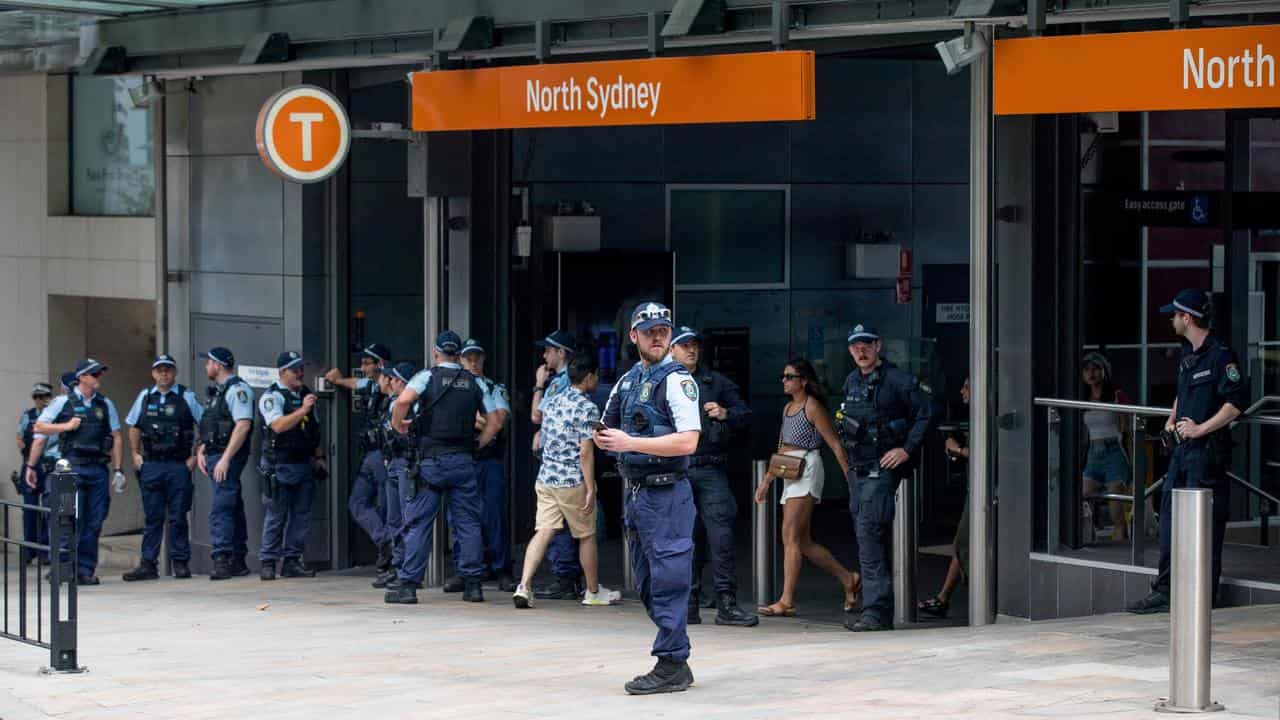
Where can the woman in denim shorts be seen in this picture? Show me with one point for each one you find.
(1107, 468)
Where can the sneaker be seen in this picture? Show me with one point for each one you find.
(1155, 602)
(602, 596)
(522, 598)
(667, 676)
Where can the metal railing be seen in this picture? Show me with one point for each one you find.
(60, 518)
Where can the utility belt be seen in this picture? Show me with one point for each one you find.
(708, 460)
(369, 440)
(638, 480)
(430, 448)
(166, 456)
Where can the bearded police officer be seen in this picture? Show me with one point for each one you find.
(723, 411)
(401, 453)
(222, 456)
(368, 503)
(449, 400)
(88, 431)
(552, 378)
(884, 420)
(34, 528)
(653, 422)
(292, 461)
(1211, 393)
(162, 431)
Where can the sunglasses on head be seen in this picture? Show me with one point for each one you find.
(650, 314)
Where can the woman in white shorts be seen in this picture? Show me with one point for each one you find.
(805, 427)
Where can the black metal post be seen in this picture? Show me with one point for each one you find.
(62, 531)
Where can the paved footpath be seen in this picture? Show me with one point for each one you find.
(329, 648)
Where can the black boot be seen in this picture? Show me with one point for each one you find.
(866, 623)
(730, 614)
(384, 578)
(472, 591)
(268, 571)
(180, 570)
(87, 580)
(666, 677)
(454, 584)
(238, 566)
(146, 570)
(401, 595)
(221, 568)
(564, 587)
(294, 568)
(383, 563)
(1155, 602)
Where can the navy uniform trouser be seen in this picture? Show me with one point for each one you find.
(396, 491)
(93, 502)
(454, 474)
(1192, 466)
(287, 513)
(491, 479)
(366, 503)
(873, 502)
(228, 530)
(713, 532)
(35, 525)
(166, 496)
(660, 520)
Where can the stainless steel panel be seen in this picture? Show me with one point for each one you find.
(236, 215)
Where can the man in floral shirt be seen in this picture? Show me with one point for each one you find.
(566, 487)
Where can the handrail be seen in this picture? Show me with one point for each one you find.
(1253, 488)
(1248, 417)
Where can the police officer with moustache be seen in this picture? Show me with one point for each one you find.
(1211, 393)
(292, 462)
(653, 422)
(34, 528)
(222, 456)
(88, 431)
(723, 411)
(884, 420)
(449, 399)
(162, 431)
(552, 378)
(368, 503)
(401, 453)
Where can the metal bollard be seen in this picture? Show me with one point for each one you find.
(764, 539)
(439, 545)
(904, 552)
(1190, 604)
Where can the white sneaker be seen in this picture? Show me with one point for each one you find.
(522, 598)
(602, 596)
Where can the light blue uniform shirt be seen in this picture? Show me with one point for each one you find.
(50, 413)
(135, 412)
(420, 382)
(271, 404)
(558, 384)
(240, 402)
(495, 393)
(50, 443)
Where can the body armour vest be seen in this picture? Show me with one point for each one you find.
(166, 425)
(91, 441)
(447, 415)
(216, 425)
(644, 412)
(29, 435)
(299, 443)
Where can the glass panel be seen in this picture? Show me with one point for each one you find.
(1112, 295)
(111, 149)
(1162, 285)
(1183, 125)
(1182, 243)
(729, 236)
(1186, 168)
(1268, 283)
(1162, 376)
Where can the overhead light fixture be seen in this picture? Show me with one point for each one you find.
(960, 52)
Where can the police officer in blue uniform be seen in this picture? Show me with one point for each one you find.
(368, 502)
(88, 431)
(401, 453)
(723, 412)
(552, 378)
(292, 462)
(34, 529)
(653, 423)
(222, 456)
(1212, 393)
(162, 431)
(449, 401)
(884, 420)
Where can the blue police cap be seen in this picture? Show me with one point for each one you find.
(220, 355)
(650, 315)
(1192, 301)
(403, 371)
(41, 389)
(472, 345)
(289, 359)
(863, 333)
(685, 334)
(448, 342)
(164, 359)
(68, 379)
(377, 351)
(89, 366)
(558, 339)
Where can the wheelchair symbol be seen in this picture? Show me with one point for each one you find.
(1199, 213)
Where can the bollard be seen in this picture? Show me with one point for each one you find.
(764, 538)
(439, 545)
(1190, 604)
(904, 552)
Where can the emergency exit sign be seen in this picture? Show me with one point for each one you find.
(953, 313)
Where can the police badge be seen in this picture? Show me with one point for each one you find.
(690, 389)
(644, 392)
(1233, 372)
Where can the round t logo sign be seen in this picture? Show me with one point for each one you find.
(303, 134)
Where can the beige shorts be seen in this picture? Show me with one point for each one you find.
(557, 506)
(810, 481)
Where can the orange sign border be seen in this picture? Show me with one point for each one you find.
(266, 150)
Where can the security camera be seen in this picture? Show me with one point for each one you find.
(960, 52)
(146, 94)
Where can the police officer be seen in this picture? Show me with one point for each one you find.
(34, 529)
(88, 431)
(162, 431)
(401, 454)
(1211, 394)
(723, 411)
(552, 378)
(883, 422)
(449, 400)
(223, 453)
(653, 422)
(491, 477)
(368, 502)
(292, 461)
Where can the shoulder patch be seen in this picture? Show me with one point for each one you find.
(926, 389)
(268, 402)
(1233, 372)
(690, 389)
(242, 396)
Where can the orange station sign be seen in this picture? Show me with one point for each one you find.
(303, 133)
(1208, 69)
(749, 87)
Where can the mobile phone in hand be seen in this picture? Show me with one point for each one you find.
(596, 425)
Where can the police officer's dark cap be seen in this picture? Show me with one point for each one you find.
(685, 334)
(164, 359)
(376, 351)
(220, 355)
(650, 315)
(68, 379)
(558, 339)
(472, 345)
(288, 360)
(403, 372)
(1192, 301)
(89, 366)
(40, 389)
(863, 333)
(448, 342)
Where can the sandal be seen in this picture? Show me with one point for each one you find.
(934, 607)
(777, 610)
(856, 590)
